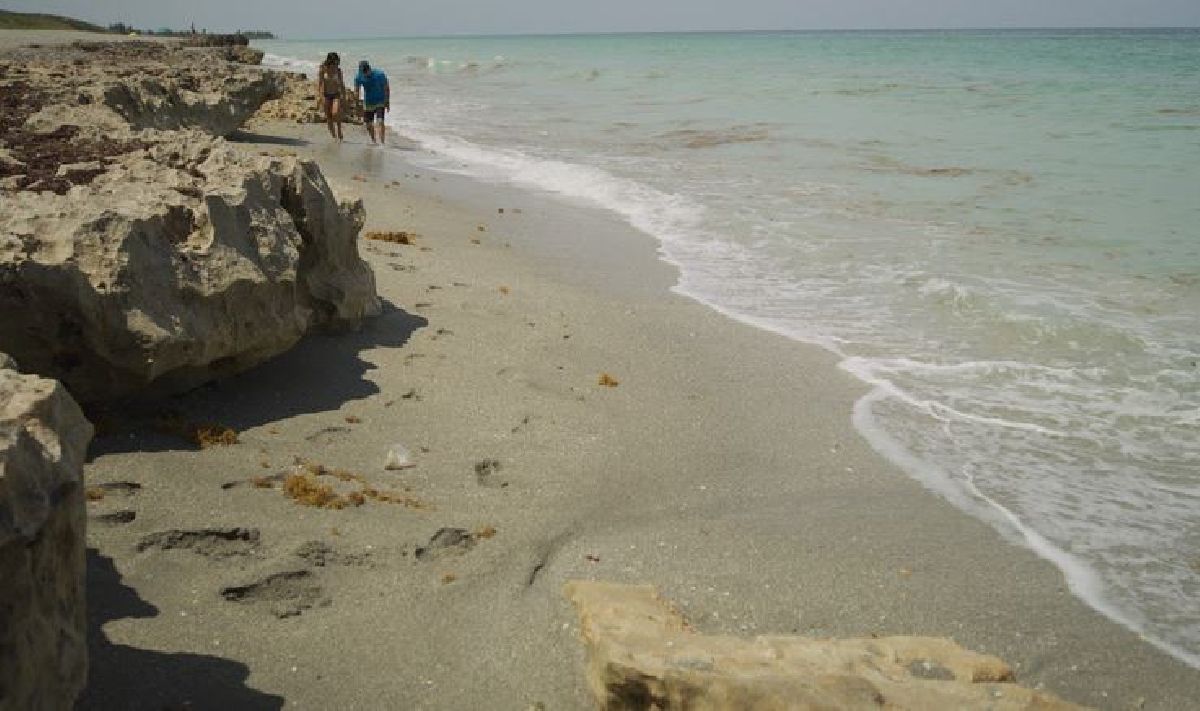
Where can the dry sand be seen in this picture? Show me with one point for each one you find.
(10, 39)
(722, 468)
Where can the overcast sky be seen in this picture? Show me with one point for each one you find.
(373, 18)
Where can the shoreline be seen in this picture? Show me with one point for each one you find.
(723, 469)
(1082, 578)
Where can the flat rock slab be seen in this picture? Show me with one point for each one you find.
(643, 655)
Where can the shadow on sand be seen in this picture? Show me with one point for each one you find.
(320, 374)
(123, 677)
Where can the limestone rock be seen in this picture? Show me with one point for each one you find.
(240, 54)
(141, 85)
(182, 262)
(298, 102)
(216, 40)
(138, 251)
(642, 655)
(43, 644)
(192, 95)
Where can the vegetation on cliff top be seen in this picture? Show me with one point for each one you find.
(10, 20)
(38, 21)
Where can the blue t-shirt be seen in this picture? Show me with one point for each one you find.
(374, 86)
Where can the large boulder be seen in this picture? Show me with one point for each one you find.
(43, 641)
(137, 250)
(642, 655)
(182, 262)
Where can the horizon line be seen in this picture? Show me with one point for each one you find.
(503, 35)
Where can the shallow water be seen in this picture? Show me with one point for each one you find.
(999, 231)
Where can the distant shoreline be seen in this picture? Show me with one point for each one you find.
(821, 31)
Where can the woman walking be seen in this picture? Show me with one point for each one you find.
(331, 87)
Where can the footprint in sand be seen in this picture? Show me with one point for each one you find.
(329, 435)
(486, 472)
(447, 541)
(284, 594)
(320, 554)
(208, 542)
(106, 496)
(115, 518)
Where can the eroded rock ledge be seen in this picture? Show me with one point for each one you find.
(642, 655)
(120, 85)
(43, 645)
(182, 262)
(137, 248)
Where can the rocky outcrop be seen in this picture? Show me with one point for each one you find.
(179, 103)
(298, 102)
(133, 256)
(242, 54)
(83, 104)
(216, 40)
(183, 262)
(642, 655)
(43, 646)
(120, 85)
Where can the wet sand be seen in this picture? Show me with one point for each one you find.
(722, 467)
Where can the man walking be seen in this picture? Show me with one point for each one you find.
(376, 96)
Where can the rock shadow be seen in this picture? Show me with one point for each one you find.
(244, 136)
(320, 374)
(124, 677)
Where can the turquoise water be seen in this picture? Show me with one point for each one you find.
(998, 231)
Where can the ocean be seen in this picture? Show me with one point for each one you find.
(997, 231)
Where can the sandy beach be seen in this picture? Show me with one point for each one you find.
(721, 467)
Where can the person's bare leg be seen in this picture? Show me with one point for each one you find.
(330, 108)
(382, 130)
(336, 111)
(371, 130)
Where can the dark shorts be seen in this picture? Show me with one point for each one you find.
(371, 114)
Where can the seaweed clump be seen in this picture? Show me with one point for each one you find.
(307, 491)
(213, 436)
(37, 160)
(340, 474)
(392, 497)
(304, 486)
(203, 435)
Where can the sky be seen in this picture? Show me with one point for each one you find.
(299, 19)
